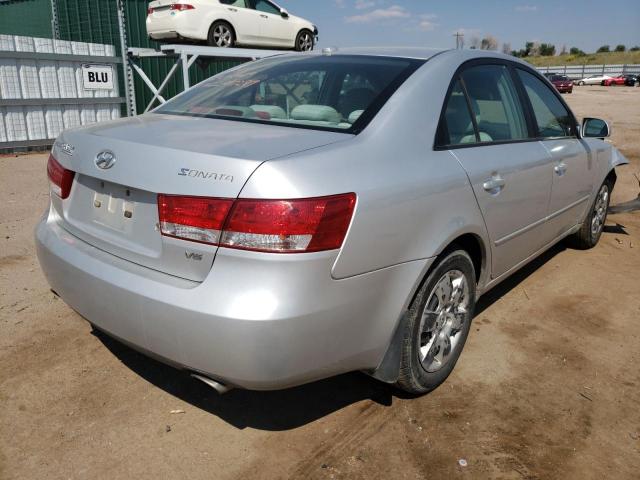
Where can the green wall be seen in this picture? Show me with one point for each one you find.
(96, 21)
(31, 18)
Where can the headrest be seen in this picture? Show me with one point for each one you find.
(353, 118)
(316, 113)
(275, 112)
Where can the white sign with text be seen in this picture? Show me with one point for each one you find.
(97, 77)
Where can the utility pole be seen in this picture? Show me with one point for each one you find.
(459, 40)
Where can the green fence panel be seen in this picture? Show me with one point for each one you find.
(97, 21)
(31, 18)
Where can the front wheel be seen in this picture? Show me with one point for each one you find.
(304, 41)
(437, 324)
(221, 35)
(591, 230)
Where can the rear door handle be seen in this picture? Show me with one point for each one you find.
(264, 16)
(560, 169)
(494, 185)
(232, 9)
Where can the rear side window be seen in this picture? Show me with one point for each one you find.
(456, 127)
(551, 116)
(495, 103)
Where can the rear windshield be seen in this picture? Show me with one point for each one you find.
(559, 78)
(340, 93)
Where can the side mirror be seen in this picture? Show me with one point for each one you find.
(284, 13)
(595, 128)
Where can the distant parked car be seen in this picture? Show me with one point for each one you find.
(617, 80)
(230, 23)
(593, 80)
(631, 80)
(562, 83)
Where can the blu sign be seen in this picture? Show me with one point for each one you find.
(97, 77)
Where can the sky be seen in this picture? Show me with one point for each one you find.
(586, 24)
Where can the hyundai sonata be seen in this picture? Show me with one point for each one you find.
(307, 215)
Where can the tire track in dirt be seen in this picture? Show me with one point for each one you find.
(370, 420)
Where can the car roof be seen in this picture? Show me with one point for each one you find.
(420, 53)
(400, 52)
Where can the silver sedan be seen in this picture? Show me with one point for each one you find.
(312, 214)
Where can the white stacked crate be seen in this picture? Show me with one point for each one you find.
(49, 79)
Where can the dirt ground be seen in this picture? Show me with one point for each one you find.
(547, 387)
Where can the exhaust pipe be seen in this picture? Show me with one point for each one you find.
(221, 388)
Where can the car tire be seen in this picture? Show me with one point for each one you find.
(437, 323)
(222, 35)
(591, 230)
(581, 84)
(304, 41)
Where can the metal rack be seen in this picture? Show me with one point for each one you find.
(185, 56)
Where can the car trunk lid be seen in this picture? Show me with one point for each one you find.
(115, 208)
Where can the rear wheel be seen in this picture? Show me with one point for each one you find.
(591, 230)
(581, 84)
(221, 35)
(304, 41)
(438, 324)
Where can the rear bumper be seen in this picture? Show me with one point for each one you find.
(257, 322)
(184, 25)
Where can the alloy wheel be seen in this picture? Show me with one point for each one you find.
(443, 318)
(600, 211)
(222, 36)
(305, 42)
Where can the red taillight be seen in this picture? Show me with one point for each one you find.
(288, 226)
(149, 10)
(179, 7)
(60, 179)
(193, 218)
(277, 226)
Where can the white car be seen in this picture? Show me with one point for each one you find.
(230, 23)
(593, 80)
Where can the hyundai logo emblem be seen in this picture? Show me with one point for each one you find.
(105, 160)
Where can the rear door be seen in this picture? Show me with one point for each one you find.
(486, 128)
(572, 162)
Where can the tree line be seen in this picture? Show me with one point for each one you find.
(540, 49)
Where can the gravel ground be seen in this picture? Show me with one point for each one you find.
(547, 387)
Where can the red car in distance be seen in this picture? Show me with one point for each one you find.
(562, 83)
(617, 80)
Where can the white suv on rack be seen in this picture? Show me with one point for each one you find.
(230, 23)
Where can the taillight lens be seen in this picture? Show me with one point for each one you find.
(277, 226)
(199, 219)
(60, 179)
(179, 7)
(149, 10)
(289, 226)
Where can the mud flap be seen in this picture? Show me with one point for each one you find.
(389, 369)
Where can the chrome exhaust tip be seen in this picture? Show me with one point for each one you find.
(221, 388)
